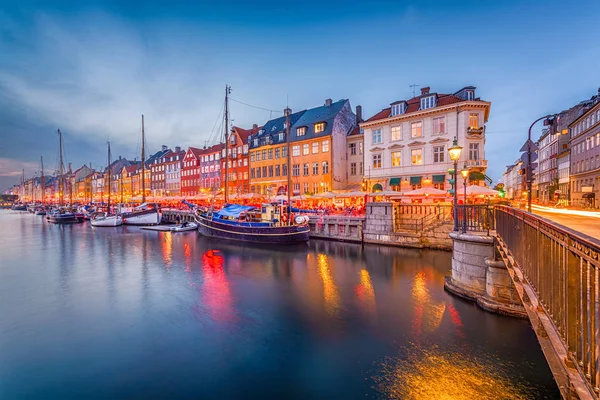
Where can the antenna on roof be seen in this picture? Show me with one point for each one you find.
(414, 88)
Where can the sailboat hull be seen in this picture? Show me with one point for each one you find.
(145, 217)
(111, 220)
(254, 234)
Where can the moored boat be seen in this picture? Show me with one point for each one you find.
(184, 227)
(105, 219)
(40, 210)
(62, 217)
(268, 224)
(144, 214)
(19, 207)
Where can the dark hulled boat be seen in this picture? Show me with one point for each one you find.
(268, 224)
(62, 217)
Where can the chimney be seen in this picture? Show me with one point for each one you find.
(287, 111)
(425, 90)
(177, 149)
(163, 147)
(327, 102)
(119, 158)
(254, 126)
(359, 114)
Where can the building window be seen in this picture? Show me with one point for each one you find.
(270, 171)
(396, 158)
(257, 156)
(376, 136)
(296, 151)
(264, 171)
(315, 188)
(361, 169)
(470, 95)
(416, 129)
(301, 131)
(397, 109)
(376, 161)
(319, 127)
(281, 136)
(305, 149)
(352, 147)
(296, 170)
(427, 102)
(264, 154)
(305, 169)
(439, 125)
(284, 170)
(306, 187)
(277, 152)
(474, 151)
(325, 146)
(325, 168)
(438, 154)
(270, 154)
(284, 151)
(353, 169)
(277, 170)
(396, 133)
(360, 147)
(315, 147)
(297, 188)
(315, 168)
(258, 172)
(416, 156)
(474, 121)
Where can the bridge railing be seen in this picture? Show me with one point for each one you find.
(563, 268)
(475, 218)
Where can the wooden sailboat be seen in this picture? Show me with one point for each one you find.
(271, 223)
(60, 215)
(106, 218)
(145, 213)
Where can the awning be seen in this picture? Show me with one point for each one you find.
(439, 178)
(395, 181)
(591, 195)
(476, 176)
(377, 187)
(415, 180)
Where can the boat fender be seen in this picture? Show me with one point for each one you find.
(284, 218)
(300, 219)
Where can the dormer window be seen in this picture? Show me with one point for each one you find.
(470, 95)
(398, 109)
(255, 142)
(427, 102)
(319, 127)
(301, 131)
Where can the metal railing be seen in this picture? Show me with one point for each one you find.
(419, 217)
(562, 267)
(475, 218)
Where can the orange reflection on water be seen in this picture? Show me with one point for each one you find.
(428, 313)
(365, 291)
(452, 375)
(330, 291)
(187, 252)
(216, 294)
(167, 249)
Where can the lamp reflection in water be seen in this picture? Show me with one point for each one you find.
(433, 373)
(330, 291)
(216, 293)
(365, 292)
(167, 249)
(428, 313)
(187, 252)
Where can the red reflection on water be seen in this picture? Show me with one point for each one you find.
(364, 291)
(216, 294)
(455, 317)
(187, 251)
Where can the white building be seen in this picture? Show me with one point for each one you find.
(406, 144)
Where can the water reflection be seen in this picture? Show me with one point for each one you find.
(167, 249)
(216, 293)
(330, 291)
(366, 293)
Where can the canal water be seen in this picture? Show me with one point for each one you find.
(126, 313)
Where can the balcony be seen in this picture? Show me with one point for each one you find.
(476, 131)
(477, 163)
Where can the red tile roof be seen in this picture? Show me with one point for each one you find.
(415, 103)
(245, 133)
(355, 131)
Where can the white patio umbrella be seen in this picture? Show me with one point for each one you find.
(385, 193)
(279, 197)
(426, 191)
(475, 190)
(357, 193)
(301, 197)
(249, 196)
(326, 195)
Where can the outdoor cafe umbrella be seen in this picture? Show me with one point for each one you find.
(280, 197)
(249, 196)
(326, 195)
(351, 194)
(426, 191)
(386, 193)
(475, 190)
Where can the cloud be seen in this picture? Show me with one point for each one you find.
(11, 167)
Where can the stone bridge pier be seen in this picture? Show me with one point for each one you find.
(478, 274)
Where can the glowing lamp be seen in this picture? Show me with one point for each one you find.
(464, 172)
(455, 150)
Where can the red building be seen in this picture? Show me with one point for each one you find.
(190, 172)
(237, 160)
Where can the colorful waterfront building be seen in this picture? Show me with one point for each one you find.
(238, 161)
(173, 162)
(190, 172)
(354, 156)
(406, 144)
(157, 173)
(318, 139)
(210, 168)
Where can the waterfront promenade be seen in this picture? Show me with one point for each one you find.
(123, 312)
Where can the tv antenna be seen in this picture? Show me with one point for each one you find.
(414, 88)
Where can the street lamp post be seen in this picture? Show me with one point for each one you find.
(465, 173)
(528, 171)
(454, 152)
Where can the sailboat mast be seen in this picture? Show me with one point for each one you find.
(143, 163)
(61, 178)
(289, 153)
(70, 185)
(23, 185)
(43, 181)
(109, 174)
(227, 90)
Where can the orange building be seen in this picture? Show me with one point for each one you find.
(317, 146)
(238, 161)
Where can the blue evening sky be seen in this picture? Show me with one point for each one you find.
(91, 68)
